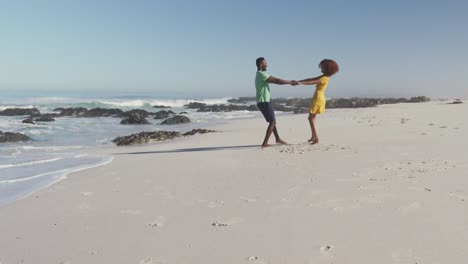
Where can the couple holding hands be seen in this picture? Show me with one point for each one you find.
(317, 106)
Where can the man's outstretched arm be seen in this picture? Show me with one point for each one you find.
(279, 81)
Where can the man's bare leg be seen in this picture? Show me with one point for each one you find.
(278, 139)
(270, 129)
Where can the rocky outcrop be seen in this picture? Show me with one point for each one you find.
(104, 112)
(135, 118)
(161, 106)
(456, 101)
(419, 99)
(178, 119)
(242, 100)
(300, 110)
(140, 112)
(226, 108)
(19, 112)
(28, 120)
(45, 117)
(7, 137)
(77, 111)
(197, 131)
(40, 118)
(194, 105)
(162, 114)
(145, 137)
(351, 103)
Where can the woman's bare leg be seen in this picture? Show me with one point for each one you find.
(314, 129)
(312, 139)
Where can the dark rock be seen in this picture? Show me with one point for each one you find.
(40, 118)
(281, 107)
(19, 111)
(162, 114)
(60, 109)
(12, 137)
(298, 102)
(134, 119)
(419, 99)
(182, 113)
(178, 119)
(199, 131)
(104, 112)
(145, 137)
(44, 118)
(77, 111)
(456, 101)
(52, 115)
(161, 106)
(227, 108)
(300, 110)
(28, 120)
(351, 103)
(140, 112)
(242, 100)
(194, 105)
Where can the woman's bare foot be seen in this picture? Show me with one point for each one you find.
(312, 139)
(266, 145)
(280, 141)
(316, 141)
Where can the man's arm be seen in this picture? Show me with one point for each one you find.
(279, 81)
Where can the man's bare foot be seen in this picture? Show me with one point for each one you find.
(266, 145)
(280, 141)
(314, 142)
(312, 139)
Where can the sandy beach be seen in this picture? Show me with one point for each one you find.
(386, 185)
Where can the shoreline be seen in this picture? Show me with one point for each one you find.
(366, 194)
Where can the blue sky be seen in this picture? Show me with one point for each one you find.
(208, 48)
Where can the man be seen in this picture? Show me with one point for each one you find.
(262, 84)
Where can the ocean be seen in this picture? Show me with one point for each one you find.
(61, 147)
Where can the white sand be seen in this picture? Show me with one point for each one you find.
(385, 185)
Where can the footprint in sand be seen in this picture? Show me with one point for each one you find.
(256, 260)
(84, 206)
(410, 207)
(87, 193)
(229, 222)
(158, 222)
(307, 147)
(404, 255)
(130, 212)
(215, 204)
(151, 261)
(248, 199)
(327, 250)
(457, 196)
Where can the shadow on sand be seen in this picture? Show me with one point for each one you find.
(190, 150)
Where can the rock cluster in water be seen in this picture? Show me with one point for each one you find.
(300, 105)
(144, 137)
(178, 119)
(6, 137)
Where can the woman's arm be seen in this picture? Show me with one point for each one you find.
(311, 81)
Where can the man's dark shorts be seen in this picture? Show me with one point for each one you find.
(267, 110)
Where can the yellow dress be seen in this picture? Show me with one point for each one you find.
(317, 106)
